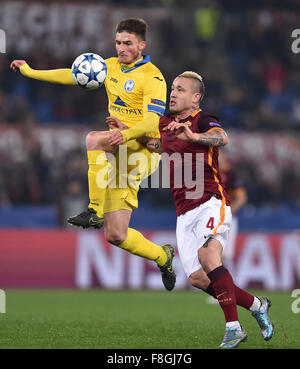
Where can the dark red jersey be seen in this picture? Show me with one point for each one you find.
(231, 181)
(191, 159)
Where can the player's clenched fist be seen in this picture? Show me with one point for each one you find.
(16, 64)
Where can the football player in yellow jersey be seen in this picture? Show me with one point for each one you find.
(136, 91)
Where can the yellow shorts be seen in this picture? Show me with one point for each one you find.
(133, 164)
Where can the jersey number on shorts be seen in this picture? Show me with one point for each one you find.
(210, 223)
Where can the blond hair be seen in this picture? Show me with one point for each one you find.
(199, 85)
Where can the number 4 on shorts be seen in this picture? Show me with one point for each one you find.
(210, 223)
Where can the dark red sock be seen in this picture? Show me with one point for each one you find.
(225, 292)
(210, 290)
(243, 298)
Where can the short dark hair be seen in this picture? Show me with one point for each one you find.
(133, 25)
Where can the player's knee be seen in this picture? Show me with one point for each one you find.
(199, 280)
(99, 141)
(210, 255)
(195, 282)
(91, 140)
(206, 259)
(115, 237)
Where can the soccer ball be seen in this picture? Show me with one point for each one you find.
(89, 71)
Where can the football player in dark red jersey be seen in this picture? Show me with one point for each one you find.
(204, 216)
(238, 198)
(203, 223)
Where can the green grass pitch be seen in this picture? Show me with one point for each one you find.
(133, 319)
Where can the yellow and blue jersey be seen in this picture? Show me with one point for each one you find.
(135, 89)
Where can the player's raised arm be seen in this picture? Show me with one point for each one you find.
(61, 76)
(154, 104)
(152, 144)
(217, 137)
(213, 137)
(148, 124)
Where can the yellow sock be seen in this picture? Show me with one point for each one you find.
(97, 162)
(137, 244)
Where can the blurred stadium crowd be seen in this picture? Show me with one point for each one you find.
(252, 83)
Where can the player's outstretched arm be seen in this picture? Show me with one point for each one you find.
(152, 144)
(61, 76)
(148, 124)
(214, 137)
